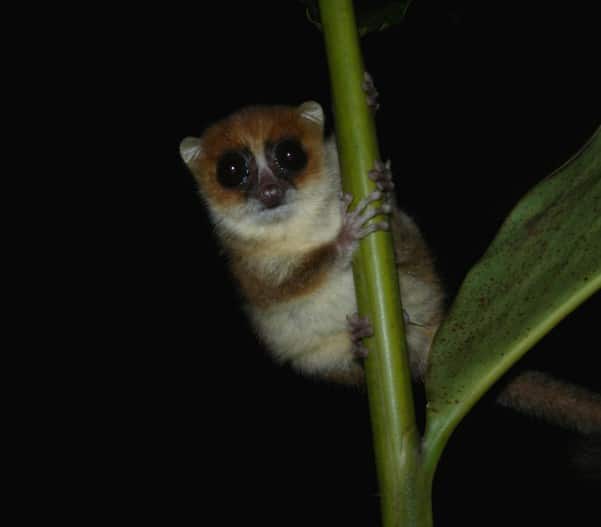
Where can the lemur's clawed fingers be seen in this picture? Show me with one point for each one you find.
(370, 92)
(381, 175)
(357, 220)
(359, 328)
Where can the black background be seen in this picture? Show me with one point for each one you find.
(479, 101)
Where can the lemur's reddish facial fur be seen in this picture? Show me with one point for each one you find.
(253, 128)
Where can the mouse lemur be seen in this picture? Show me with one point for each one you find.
(272, 185)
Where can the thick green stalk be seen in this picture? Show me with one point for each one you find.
(396, 439)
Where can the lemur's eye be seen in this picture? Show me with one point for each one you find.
(232, 169)
(290, 155)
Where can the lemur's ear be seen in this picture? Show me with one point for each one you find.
(312, 111)
(190, 148)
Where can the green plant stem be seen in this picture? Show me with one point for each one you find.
(396, 439)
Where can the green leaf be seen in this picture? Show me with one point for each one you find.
(371, 16)
(544, 262)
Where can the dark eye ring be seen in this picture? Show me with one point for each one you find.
(232, 169)
(290, 155)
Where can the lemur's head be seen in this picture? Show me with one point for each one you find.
(255, 164)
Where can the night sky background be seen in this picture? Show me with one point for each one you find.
(479, 102)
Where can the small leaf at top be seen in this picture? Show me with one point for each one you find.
(371, 15)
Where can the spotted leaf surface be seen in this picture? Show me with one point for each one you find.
(544, 262)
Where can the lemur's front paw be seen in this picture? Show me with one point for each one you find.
(355, 224)
(381, 175)
(359, 328)
(370, 92)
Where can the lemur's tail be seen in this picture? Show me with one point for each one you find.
(554, 401)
